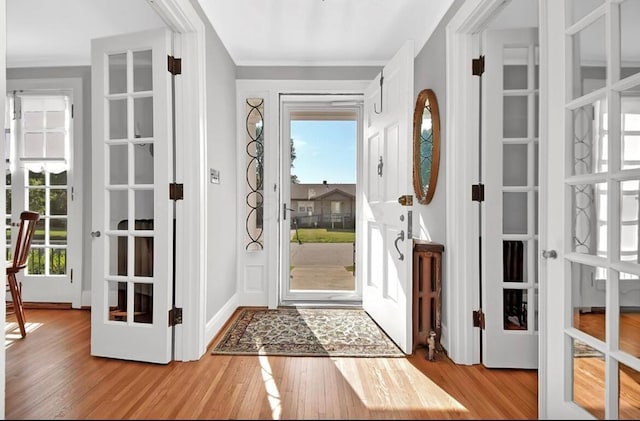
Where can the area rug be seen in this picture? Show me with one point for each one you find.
(306, 332)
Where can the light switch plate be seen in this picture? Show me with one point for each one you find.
(214, 176)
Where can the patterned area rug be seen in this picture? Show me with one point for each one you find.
(306, 332)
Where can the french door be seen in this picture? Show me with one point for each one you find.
(132, 212)
(45, 138)
(593, 159)
(510, 214)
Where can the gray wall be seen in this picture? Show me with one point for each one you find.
(222, 215)
(83, 72)
(430, 73)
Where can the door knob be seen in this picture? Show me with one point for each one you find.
(549, 254)
(95, 234)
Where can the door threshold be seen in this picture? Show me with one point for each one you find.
(321, 304)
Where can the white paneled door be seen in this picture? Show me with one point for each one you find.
(387, 175)
(132, 212)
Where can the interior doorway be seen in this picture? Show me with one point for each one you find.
(319, 160)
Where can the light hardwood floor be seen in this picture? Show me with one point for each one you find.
(51, 374)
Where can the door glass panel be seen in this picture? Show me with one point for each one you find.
(118, 209)
(515, 168)
(58, 201)
(143, 204)
(589, 138)
(56, 119)
(58, 231)
(629, 298)
(57, 261)
(143, 303)
(142, 71)
(55, 145)
(119, 164)
(117, 299)
(629, 396)
(515, 309)
(588, 293)
(629, 196)
(58, 179)
(33, 145)
(36, 263)
(33, 120)
(143, 117)
(117, 249)
(630, 128)
(629, 12)
(590, 219)
(515, 117)
(255, 173)
(588, 378)
(143, 255)
(514, 211)
(143, 155)
(590, 59)
(514, 260)
(117, 73)
(117, 119)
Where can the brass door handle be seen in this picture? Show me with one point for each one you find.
(400, 237)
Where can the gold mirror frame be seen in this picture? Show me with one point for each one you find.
(425, 176)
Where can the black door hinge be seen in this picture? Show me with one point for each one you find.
(175, 316)
(477, 192)
(477, 66)
(478, 319)
(174, 65)
(176, 191)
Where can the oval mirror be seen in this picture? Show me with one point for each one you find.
(426, 145)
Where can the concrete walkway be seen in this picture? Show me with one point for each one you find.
(322, 266)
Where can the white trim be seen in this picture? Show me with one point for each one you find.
(191, 224)
(543, 176)
(74, 84)
(3, 238)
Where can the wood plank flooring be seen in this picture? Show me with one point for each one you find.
(51, 374)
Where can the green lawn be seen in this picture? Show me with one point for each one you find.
(322, 235)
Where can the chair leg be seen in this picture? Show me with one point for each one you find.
(17, 302)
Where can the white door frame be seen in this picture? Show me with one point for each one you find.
(462, 169)
(3, 235)
(74, 84)
(258, 271)
(191, 225)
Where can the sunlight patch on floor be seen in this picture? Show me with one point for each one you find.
(424, 394)
(12, 332)
(273, 394)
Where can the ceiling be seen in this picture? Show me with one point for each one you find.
(265, 32)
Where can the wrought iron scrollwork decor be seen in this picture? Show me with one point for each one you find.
(255, 173)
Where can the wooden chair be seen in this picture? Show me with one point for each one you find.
(21, 248)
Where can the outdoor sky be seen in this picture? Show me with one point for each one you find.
(325, 150)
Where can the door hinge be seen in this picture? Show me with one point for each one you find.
(175, 316)
(174, 65)
(477, 66)
(71, 110)
(478, 319)
(406, 200)
(176, 191)
(477, 192)
(71, 275)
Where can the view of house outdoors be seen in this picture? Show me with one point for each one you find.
(323, 203)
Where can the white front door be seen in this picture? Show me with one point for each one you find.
(43, 175)
(132, 213)
(510, 208)
(387, 175)
(592, 108)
